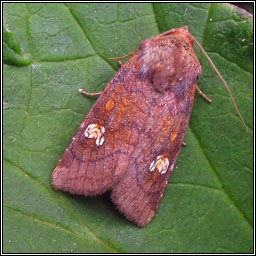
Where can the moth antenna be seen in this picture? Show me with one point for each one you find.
(224, 82)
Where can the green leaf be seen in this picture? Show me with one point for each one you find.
(11, 40)
(11, 50)
(207, 206)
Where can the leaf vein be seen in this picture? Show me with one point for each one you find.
(194, 185)
(88, 231)
(44, 222)
(218, 178)
(87, 37)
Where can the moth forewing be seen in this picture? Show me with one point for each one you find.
(129, 141)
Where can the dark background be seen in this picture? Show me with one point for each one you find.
(245, 5)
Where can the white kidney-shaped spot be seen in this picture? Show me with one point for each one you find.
(95, 131)
(161, 164)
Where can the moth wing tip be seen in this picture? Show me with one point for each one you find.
(133, 216)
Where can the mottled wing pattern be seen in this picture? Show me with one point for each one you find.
(136, 133)
(150, 159)
(129, 141)
(87, 167)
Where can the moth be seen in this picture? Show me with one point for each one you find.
(129, 141)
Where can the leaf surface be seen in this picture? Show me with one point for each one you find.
(207, 206)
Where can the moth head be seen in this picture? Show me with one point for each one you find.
(169, 62)
(180, 33)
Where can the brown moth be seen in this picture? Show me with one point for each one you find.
(129, 141)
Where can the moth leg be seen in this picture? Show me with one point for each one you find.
(122, 57)
(120, 63)
(90, 93)
(202, 94)
(184, 144)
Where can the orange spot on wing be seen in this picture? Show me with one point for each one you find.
(173, 136)
(124, 104)
(124, 101)
(175, 131)
(109, 105)
(136, 66)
